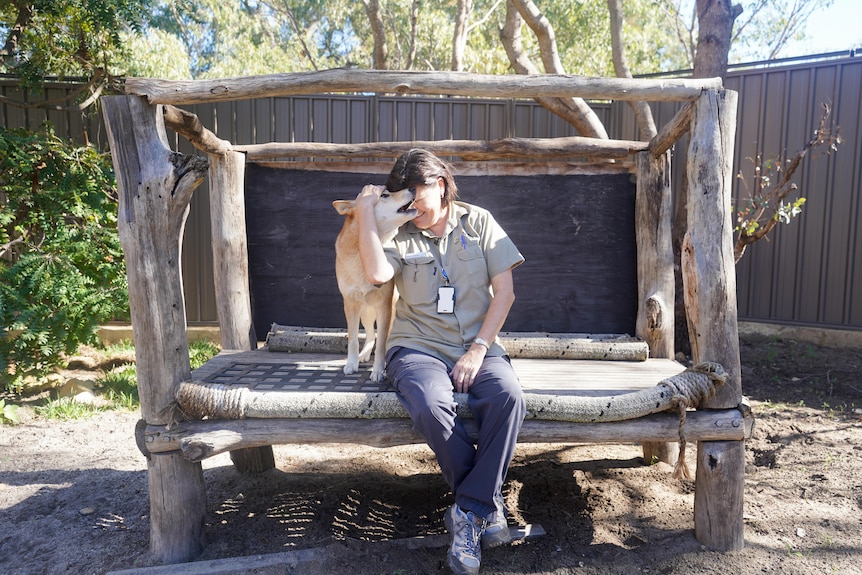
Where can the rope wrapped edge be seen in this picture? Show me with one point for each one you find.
(688, 389)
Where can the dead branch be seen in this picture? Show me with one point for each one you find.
(823, 135)
(189, 126)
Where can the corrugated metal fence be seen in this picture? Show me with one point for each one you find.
(809, 273)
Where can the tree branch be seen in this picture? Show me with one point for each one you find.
(25, 15)
(823, 135)
(573, 110)
(642, 111)
(95, 85)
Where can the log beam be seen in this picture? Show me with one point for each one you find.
(672, 131)
(190, 126)
(198, 440)
(653, 219)
(536, 149)
(718, 495)
(230, 248)
(179, 92)
(708, 267)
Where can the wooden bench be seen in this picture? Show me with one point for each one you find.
(155, 186)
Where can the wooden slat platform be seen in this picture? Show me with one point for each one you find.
(263, 370)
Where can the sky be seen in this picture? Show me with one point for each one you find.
(836, 28)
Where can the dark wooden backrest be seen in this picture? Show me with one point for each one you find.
(576, 232)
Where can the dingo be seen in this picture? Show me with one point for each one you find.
(362, 300)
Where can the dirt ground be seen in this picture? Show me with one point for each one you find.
(73, 495)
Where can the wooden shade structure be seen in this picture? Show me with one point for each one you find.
(155, 186)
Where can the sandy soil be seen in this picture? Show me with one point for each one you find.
(73, 495)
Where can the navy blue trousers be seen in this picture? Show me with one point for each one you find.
(474, 473)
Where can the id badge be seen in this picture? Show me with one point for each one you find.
(446, 299)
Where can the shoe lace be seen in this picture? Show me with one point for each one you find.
(472, 542)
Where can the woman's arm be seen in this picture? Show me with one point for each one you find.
(377, 268)
(502, 298)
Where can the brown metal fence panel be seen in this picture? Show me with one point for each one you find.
(809, 273)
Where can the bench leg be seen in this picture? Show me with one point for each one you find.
(253, 459)
(718, 494)
(177, 507)
(665, 451)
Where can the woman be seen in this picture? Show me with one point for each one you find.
(452, 266)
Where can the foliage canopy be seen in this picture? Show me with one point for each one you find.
(61, 267)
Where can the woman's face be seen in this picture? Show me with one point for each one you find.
(428, 202)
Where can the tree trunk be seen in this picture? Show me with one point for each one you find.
(414, 21)
(715, 20)
(155, 186)
(641, 109)
(715, 25)
(378, 32)
(459, 40)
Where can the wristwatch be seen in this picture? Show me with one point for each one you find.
(482, 342)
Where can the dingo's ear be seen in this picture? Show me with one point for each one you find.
(344, 207)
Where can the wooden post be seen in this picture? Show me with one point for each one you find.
(230, 274)
(653, 219)
(230, 251)
(155, 186)
(709, 282)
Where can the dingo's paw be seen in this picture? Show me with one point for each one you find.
(377, 374)
(352, 366)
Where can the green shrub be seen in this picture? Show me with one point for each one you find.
(8, 413)
(200, 352)
(66, 409)
(61, 265)
(120, 386)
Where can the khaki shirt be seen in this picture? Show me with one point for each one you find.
(473, 249)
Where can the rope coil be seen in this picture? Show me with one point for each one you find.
(683, 391)
(212, 400)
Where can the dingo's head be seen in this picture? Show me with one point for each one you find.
(392, 210)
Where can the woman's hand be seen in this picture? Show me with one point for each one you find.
(464, 373)
(369, 196)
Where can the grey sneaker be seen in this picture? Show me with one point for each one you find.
(497, 531)
(465, 552)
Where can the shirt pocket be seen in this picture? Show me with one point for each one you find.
(419, 281)
(472, 259)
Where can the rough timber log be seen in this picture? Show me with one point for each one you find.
(155, 186)
(181, 92)
(199, 440)
(709, 281)
(654, 324)
(230, 276)
(536, 149)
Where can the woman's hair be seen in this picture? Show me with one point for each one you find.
(415, 167)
